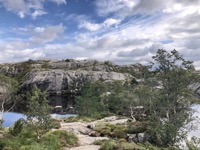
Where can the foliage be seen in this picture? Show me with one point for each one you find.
(111, 130)
(193, 144)
(18, 126)
(7, 97)
(137, 127)
(38, 113)
(60, 138)
(100, 99)
(108, 145)
(55, 124)
(78, 119)
(26, 140)
(90, 103)
(171, 102)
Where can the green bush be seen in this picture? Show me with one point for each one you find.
(55, 124)
(125, 146)
(18, 126)
(137, 127)
(111, 130)
(2, 144)
(109, 145)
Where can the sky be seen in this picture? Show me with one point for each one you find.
(122, 31)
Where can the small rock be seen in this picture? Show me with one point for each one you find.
(108, 119)
(132, 138)
(91, 126)
(141, 137)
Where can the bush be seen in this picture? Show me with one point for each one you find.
(111, 130)
(126, 146)
(137, 127)
(55, 124)
(2, 144)
(109, 145)
(18, 126)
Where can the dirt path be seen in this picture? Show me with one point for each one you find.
(81, 130)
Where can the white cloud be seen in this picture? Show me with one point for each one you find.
(44, 35)
(123, 8)
(97, 26)
(90, 26)
(16, 6)
(133, 40)
(110, 21)
(37, 13)
(23, 8)
(59, 2)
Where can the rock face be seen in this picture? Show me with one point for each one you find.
(63, 79)
(63, 85)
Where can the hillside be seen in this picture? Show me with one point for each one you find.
(63, 79)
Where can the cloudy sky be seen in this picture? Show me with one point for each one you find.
(123, 31)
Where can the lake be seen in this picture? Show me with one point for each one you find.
(11, 117)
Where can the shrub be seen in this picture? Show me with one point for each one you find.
(18, 126)
(2, 144)
(109, 145)
(111, 130)
(55, 124)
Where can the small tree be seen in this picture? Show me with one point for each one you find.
(38, 113)
(173, 99)
(7, 92)
(91, 103)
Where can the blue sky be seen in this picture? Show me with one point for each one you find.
(123, 31)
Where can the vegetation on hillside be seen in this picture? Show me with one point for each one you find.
(162, 101)
(35, 132)
(160, 105)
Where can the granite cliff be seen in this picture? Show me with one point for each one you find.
(63, 79)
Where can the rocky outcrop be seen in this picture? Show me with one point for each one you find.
(64, 85)
(63, 79)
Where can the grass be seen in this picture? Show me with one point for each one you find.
(27, 140)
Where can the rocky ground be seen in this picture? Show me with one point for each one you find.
(86, 134)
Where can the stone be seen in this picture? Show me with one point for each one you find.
(141, 137)
(132, 138)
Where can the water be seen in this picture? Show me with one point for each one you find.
(11, 117)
